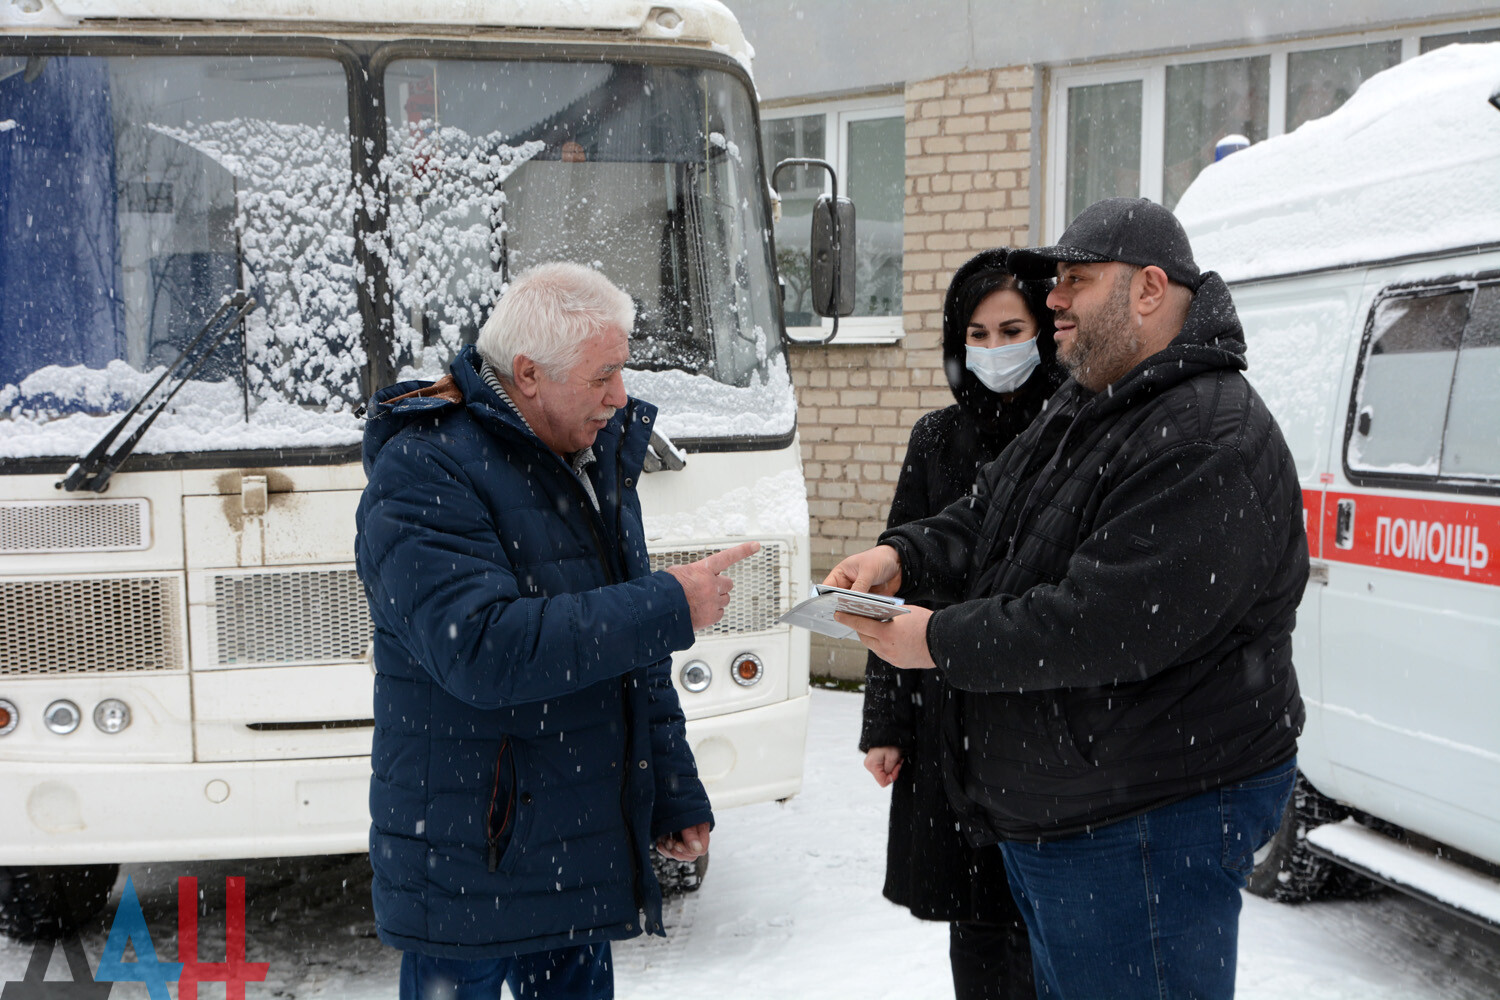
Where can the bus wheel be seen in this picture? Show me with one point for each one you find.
(45, 904)
(1286, 870)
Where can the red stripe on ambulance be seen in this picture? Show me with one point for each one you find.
(1413, 535)
(1312, 520)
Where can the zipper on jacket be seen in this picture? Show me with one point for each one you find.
(492, 835)
(637, 889)
(596, 516)
(636, 875)
(594, 523)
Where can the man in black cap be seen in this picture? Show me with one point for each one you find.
(1122, 587)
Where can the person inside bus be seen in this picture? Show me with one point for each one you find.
(1123, 585)
(999, 357)
(529, 746)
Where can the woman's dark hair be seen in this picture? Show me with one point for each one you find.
(978, 287)
(984, 274)
(981, 284)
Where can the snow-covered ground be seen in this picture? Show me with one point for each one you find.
(791, 910)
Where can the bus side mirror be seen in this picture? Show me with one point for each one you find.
(833, 257)
(831, 265)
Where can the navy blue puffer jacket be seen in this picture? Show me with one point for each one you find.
(528, 744)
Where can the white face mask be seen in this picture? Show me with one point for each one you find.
(1003, 369)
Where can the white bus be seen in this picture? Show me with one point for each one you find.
(185, 663)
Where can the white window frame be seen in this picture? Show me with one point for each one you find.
(1152, 74)
(837, 115)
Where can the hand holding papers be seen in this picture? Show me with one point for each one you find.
(816, 613)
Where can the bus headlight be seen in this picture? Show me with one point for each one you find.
(62, 717)
(111, 715)
(747, 670)
(10, 717)
(696, 676)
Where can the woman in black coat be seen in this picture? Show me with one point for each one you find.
(1000, 359)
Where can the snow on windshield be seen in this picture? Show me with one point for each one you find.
(445, 236)
(303, 358)
(294, 207)
(59, 410)
(698, 406)
(295, 223)
(1407, 165)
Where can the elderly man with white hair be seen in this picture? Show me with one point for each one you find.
(529, 747)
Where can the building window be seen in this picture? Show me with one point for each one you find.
(1475, 35)
(1104, 142)
(865, 141)
(1319, 81)
(1205, 102)
(1147, 128)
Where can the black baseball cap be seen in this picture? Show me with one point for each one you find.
(1130, 230)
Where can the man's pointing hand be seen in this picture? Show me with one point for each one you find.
(705, 586)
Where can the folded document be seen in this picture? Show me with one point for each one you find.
(816, 613)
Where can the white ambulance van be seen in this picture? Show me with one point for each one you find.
(1363, 251)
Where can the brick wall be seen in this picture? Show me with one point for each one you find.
(968, 153)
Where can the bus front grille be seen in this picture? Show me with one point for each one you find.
(313, 616)
(37, 526)
(90, 625)
(758, 595)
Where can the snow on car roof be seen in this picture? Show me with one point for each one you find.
(703, 21)
(1408, 165)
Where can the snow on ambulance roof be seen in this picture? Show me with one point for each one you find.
(1409, 165)
(703, 21)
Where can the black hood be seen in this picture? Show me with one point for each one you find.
(990, 410)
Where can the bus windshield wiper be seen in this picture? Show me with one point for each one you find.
(92, 471)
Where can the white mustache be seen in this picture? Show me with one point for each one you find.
(606, 415)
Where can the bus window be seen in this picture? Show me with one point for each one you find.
(648, 173)
(139, 192)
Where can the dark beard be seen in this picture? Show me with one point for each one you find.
(1105, 343)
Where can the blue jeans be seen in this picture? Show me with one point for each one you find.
(1148, 906)
(583, 972)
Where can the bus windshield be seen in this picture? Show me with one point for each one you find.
(135, 195)
(137, 192)
(646, 172)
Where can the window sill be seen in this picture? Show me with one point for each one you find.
(852, 332)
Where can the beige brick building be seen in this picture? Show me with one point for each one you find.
(968, 153)
(1016, 116)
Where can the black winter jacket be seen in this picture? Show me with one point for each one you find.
(930, 868)
(1129, 571)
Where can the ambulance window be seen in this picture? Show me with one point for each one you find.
(1402, 397)
(1472, 444)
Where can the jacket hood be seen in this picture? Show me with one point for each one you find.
(1211, 338)
(988, 409)
(398, 406)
